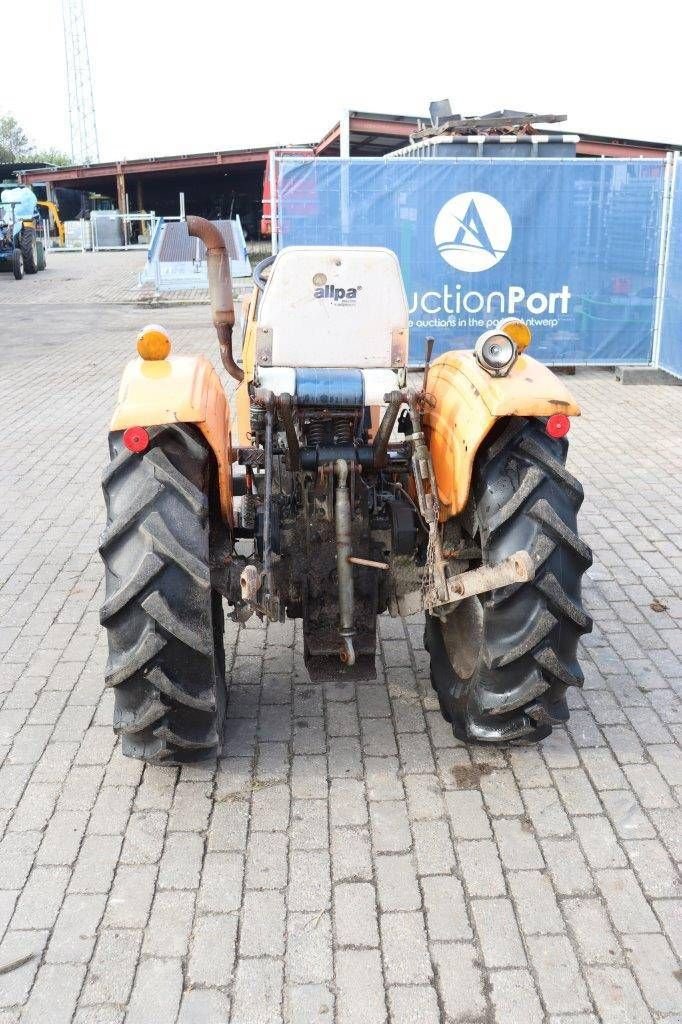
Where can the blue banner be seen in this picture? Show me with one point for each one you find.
(670, 356)
(571, 246)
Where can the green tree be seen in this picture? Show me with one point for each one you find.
(50, 156)
(14, 144)
(16, 148)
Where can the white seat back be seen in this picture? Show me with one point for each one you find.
(339, 306)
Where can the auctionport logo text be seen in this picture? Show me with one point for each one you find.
(455, 302)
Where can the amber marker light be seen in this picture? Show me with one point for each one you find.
(153, 343)
(517, 330)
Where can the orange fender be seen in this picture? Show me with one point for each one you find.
(180, 389)
(468, 402)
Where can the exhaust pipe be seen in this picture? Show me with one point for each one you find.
(219, 288)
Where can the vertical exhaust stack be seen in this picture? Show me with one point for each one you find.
(219, 288)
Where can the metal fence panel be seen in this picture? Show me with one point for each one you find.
(670, 354)
(178, 262)
(114, 230)
(572, 246)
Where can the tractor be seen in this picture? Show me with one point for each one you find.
(343, 489)
(20, 244)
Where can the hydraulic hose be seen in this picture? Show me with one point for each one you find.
(285, 404)
(394, 400)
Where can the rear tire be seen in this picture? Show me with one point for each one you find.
(29, 250)
(42, 261)
(501, 664)
(17, 264)
(164, 621)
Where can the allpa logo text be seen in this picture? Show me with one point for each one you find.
(472, 231)
(340, 296)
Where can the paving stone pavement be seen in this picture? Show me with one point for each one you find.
(112, 277)
(347, 860)
(77, 278)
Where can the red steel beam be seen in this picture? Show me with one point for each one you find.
(617, 149)
(150, 166)
(371, 127)
(368, 126)
(332, 136)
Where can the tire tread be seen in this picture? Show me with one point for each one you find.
(528, 654)
(164, 622)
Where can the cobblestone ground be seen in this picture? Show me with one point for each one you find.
(76, 278)
(346, 860)
(112, 277)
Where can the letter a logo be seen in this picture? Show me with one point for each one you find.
(472, 231)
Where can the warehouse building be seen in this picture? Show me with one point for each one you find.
(227, 183)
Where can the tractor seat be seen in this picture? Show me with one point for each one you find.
(331, 308)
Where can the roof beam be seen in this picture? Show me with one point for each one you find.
(202, 161)
(329, 139)
(585, 148)
(367, 126)
(401, 129)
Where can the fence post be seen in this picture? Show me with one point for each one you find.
(671, 164)
(344, 153)
(273, 200)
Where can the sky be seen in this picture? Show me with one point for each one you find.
(171, 77)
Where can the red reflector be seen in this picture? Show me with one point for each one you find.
(136, 439)
(558, 425)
